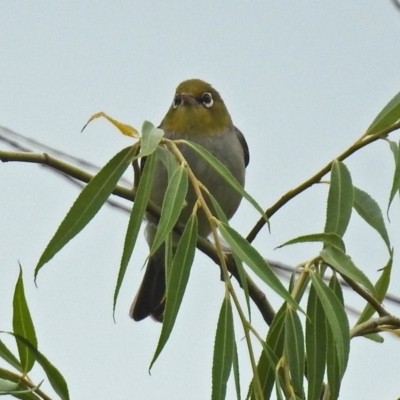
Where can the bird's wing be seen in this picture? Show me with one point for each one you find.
(243, 142)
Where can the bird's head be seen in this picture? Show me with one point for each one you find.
(197, 109)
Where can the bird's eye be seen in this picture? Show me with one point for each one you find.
(177, 100)
(207, 100)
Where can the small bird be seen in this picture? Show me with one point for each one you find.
(198, 114)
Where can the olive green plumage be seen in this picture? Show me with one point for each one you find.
(197, 113)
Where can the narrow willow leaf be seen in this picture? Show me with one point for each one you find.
(173, 202)
(266, 367)
(333, 366)
(294, 345)
(370, 211)
(168, 159)
(54, 376)
(151, 137)
(242, 273)
(249, 255)
(223, 351)
(334, 284)
(336, 319)
(387, 117)
(9, 357)
(344, 264)
(6, 387)
(381, 288)
(135, 220)
(394, 148)
(177, 279)
(375, 337)
(168, 256)
(88, 203)
(316, 345)
(243, 282)
(331, 239)
(227, 175)
(236, 374)
(340, 200)
(23, 325)
(396, 182)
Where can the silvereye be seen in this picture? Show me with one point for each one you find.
(198, 114)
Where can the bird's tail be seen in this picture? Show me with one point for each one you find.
(150, 299)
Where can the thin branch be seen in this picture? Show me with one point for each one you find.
(360, 143)
(13, 377)
(203, 245)
(287, 269)
(45, 159)
(367, 296)
(388, 322)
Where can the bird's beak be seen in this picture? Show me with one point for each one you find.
(188, 99)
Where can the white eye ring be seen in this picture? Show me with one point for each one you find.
(207, 100)
(177, 100)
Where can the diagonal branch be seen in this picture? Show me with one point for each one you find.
(203, 245)
(360, 143)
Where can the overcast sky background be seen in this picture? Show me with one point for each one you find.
(301, 79)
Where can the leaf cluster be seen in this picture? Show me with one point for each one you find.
(305, 352)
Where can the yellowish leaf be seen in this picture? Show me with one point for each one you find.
(124, 128)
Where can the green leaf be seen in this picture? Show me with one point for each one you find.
(396, 182)
(239, 265)
(316, 345)
(394, 148)
(9, 357)
(135, 220)
(173, 202)
(381, 288)
(7, 386)
(236, 374)
(177, 279)
(340, 199)
(227, 175)
(370, 211)
(249, 255)
(223, 351)
(266, 367)
(23, 324)
(55, 378)
(331, 239)
(23, 392)
(387, 117)
(88, 203)
(336, 319)
(334, 284)
(10, 387)
(375, 337)
(294, 344)
(333, 366)
(343, 263)
(168, 160)
(151, 137)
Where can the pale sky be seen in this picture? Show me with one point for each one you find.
(301, 79)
